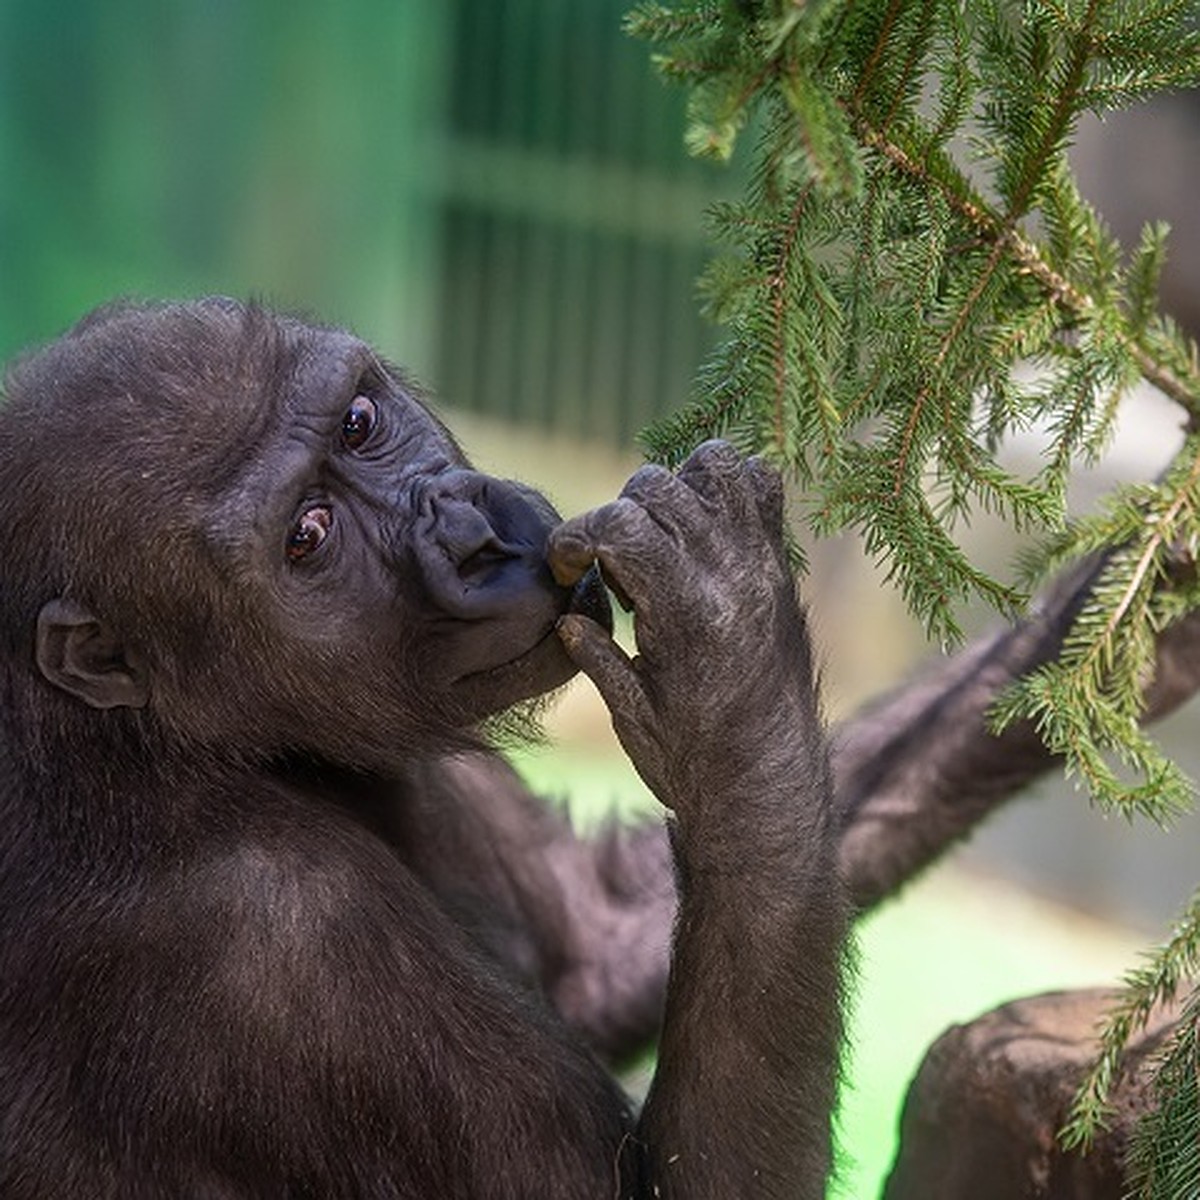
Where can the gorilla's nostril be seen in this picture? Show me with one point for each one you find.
(461, 529)
(480, 547)
(477, 565)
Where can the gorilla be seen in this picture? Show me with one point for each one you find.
(275, 921)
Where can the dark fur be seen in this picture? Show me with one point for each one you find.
(260, 936)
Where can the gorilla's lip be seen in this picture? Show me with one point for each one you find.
(544, 665)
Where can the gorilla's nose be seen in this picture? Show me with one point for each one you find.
(466, 535)
(479, 540)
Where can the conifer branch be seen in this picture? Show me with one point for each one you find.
(1155, 545)
(1074, 303)
(885, 298)
(778, 291)
(1167, 970)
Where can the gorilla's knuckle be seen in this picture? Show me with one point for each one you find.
(647, 482)
(716, 454)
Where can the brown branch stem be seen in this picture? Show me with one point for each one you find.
(1027, 256)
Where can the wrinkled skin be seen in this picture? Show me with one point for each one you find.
(273, 922)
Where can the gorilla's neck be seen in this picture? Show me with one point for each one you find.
(367, 798)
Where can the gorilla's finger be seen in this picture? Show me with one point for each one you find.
(717, 472)
(767, 485)
(670, 502)
(574, 546)
(634, 550)
(608, 666)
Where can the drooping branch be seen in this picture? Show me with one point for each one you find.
(1154, 363)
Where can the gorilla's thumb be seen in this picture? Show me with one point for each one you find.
(621, 686)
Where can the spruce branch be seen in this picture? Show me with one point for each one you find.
(1166, 971)
(846, 138)
(1161, 1162)
(911, 278)
(1154, 359)
(877, 291)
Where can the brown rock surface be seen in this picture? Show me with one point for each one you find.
(982, 1115)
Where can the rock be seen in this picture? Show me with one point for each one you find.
(982, 1116)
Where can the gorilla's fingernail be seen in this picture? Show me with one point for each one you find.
(569, 628)
(569, 559)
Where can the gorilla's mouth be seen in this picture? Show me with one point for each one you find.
(589, 597)
(479, 546)
(543, 666)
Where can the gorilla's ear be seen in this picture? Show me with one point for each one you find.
(77, 652)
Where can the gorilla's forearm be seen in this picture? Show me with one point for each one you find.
(588, 918)
(914, 774)
(719, 716)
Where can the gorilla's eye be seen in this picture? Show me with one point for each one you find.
(359, 422)
(309, 532)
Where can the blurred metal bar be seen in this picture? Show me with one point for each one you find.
(572, 228)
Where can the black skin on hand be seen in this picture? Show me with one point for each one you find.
(273, 921)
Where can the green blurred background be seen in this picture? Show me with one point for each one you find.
(494, 192)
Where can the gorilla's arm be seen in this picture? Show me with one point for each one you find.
(588, 919)
(913, 773)
(918, 771)
(717, 713)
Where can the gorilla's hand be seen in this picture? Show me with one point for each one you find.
(722, 666)
(718, 714)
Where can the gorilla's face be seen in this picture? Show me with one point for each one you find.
(372, 525)
(275, 494)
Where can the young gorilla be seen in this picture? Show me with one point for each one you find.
(254, 941)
